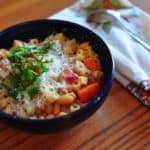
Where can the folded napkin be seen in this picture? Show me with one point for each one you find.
(132, 61)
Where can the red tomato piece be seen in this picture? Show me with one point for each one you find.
(69, 75)
(86, 93)
(91, 78)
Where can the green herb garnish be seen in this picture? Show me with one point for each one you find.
(27, 65)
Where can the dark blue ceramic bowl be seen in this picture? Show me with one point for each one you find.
(40, 29)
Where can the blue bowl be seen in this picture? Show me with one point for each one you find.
(40, 29)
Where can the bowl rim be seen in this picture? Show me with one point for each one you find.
(96, 100)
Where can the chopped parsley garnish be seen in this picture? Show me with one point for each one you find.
(27, 65)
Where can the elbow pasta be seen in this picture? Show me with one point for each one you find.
(34, 41)
(80, 68)
(17, 43)
(74, 107)
(60, 87)
(67, 99)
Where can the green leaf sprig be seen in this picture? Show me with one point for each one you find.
(27, 65)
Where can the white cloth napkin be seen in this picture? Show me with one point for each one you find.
(132, 61)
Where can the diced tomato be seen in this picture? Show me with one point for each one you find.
(69, 75)
(91, 63)
(86, 93)
(91, 78)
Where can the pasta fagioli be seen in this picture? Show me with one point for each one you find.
(49, 78)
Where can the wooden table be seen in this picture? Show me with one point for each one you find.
(121, 123)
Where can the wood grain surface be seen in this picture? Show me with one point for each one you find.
(122, 123)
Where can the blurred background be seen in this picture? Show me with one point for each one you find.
(144, 4)
(15, 11)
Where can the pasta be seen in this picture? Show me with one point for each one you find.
(49, 78)
(74, 107)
